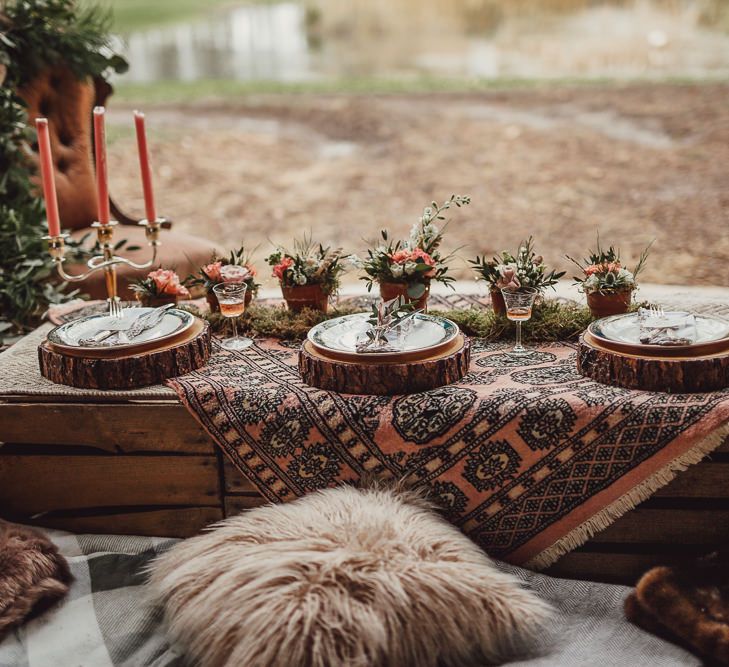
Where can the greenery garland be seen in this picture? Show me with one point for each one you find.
(35, 34)
(552, 320)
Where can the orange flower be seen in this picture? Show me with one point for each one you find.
(280, 268)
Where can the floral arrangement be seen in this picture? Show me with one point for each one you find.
(238, 268)
(308, 264)
(525, 269)
(160, 283)
(604, 273)
(417, 260)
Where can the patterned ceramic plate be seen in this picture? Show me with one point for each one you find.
(623, 331)
(68, 335)
(426, 333)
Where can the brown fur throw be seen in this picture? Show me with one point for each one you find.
(33, 575)
(687, 605)
(342, 578)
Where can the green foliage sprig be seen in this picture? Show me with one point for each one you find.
(35, 34)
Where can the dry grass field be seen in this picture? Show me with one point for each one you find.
(636, 162)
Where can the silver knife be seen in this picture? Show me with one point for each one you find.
(135, 325)
(147, 321)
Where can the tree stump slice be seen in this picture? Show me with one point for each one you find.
(668, 374)
(153, 366)
(385, 378)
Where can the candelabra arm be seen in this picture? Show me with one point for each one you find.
(107, 261)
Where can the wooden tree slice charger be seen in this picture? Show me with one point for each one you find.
(385, 377)
(670, 373)
(147, 365)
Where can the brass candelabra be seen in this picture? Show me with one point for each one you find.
(107, 260)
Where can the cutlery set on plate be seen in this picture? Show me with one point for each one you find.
(137, 326)
(124, 331)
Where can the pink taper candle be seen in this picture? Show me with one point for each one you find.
(144, 166)
(102, 181)
(48, 177)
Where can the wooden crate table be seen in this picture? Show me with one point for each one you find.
(129, 462)
(136, 462)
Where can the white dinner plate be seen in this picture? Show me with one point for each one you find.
(173, 323)
(625, 329)
(425, 333)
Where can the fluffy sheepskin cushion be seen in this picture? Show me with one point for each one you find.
(342, 577)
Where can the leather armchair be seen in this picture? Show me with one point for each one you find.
(68, 103)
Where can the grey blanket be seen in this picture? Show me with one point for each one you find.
(105, 621)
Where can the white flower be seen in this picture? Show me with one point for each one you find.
(410, 268)
(591, 284)
(300, 279)
(396, 270)
(427, 212)
(355, 261)
(626, 276)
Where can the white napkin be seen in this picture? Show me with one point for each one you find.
(670, 328)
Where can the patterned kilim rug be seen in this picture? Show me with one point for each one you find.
(526, 456)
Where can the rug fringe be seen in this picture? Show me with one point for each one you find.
(604, 518)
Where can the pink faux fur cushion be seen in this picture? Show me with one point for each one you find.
(33, 575)
(342, 577)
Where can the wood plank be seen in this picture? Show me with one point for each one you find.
(611, 568)
(235, 480)
(179, 522)
(237, 504)
(33, 484)
(668, 526)
(705, 480)
(132, 427)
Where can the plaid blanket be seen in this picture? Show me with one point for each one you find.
(105, 621)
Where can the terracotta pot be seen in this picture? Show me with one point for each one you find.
(609, 303)
(497, 302)
(306, 296)
(390, 291)
(149, 301)
(213, 300)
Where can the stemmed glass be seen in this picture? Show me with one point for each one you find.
(232, 301)
(519, 302)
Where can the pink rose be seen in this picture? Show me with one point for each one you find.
(592, 269)
(231, 273)
(419, 253)
(508, 278)
(401, 256)
(212, 271)
(168, 282)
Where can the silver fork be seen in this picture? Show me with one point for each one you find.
(116, 309)
(657, 311)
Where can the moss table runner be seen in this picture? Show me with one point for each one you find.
(526, 456)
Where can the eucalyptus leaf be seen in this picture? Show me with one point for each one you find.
(416, 290)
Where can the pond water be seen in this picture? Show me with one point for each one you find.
(324, 39)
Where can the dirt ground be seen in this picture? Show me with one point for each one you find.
(637, 163)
